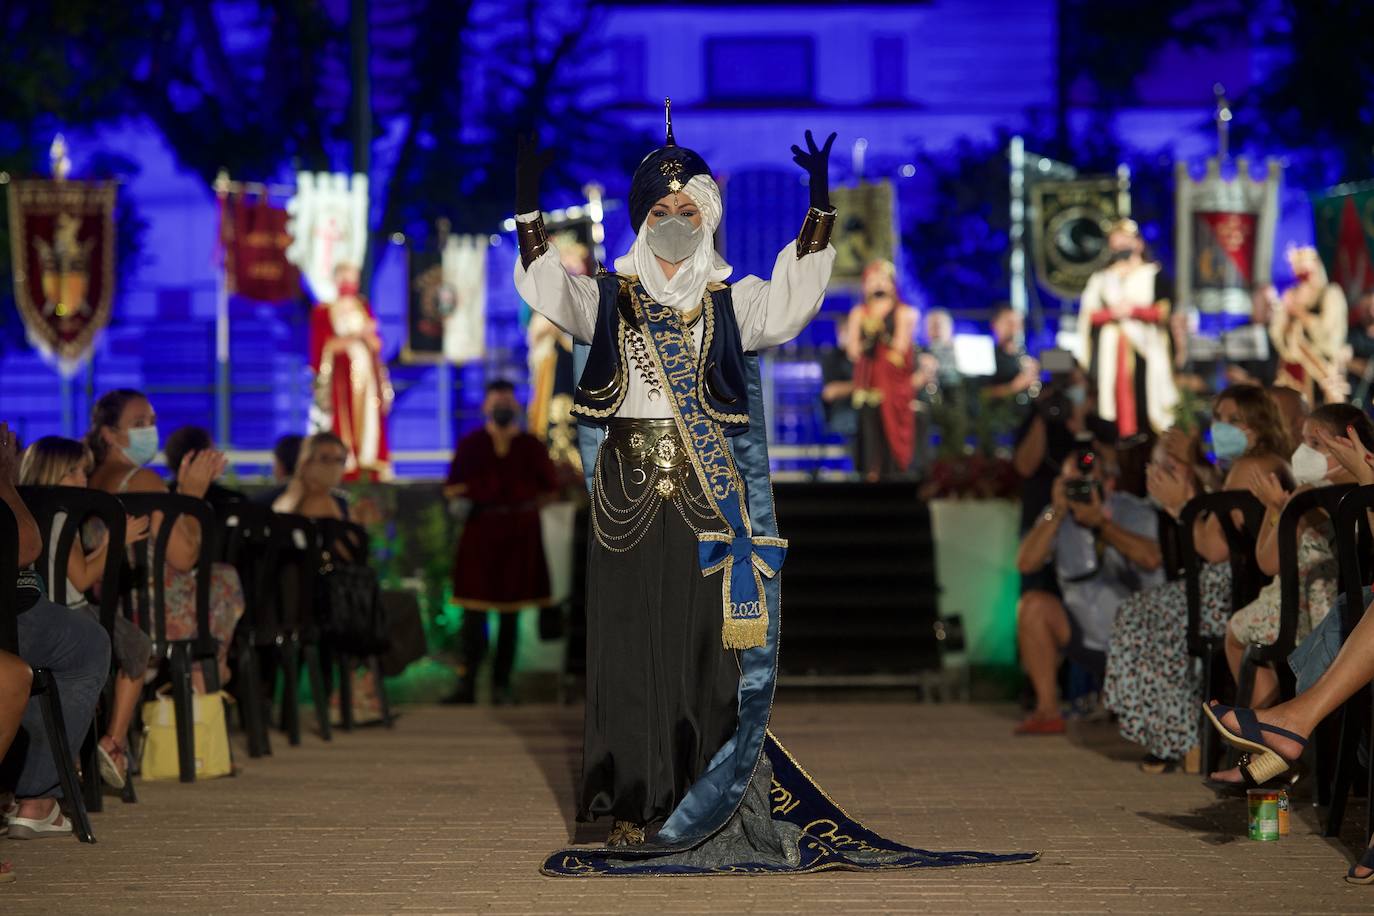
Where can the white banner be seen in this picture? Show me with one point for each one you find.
(328, 227)
(465, 279)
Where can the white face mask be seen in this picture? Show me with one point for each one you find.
(1309, 465)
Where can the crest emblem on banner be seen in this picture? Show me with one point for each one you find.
(446, 309)
(62, 240)
(328, 227)
(864, 230)
(1070, 221)
(1224, 234)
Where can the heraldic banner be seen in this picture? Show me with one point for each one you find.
(253, 238)
(1070, 220)
(1345, 236)
(865, 230)
(1224, 234)
(328, 227)
(62, 238)
(446, 308)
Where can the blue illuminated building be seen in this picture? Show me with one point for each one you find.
(746, 80)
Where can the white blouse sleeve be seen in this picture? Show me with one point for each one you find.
(775, 311)
(569, 302)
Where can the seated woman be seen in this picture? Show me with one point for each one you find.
(123, 438)
(319, 470)
(55, 461)
(313, 493)
(71, 645)
(1314, 464)
(1151, 683)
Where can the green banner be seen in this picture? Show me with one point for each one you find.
(1344, 218)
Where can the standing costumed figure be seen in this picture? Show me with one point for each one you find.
(1123, 337)
(551, 368)
(879, 339)
(683, 563)
(352, 388)
(1309, 330)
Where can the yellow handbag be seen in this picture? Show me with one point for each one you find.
(159, 759)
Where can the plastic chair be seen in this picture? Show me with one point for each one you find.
(1276, 654)
(247, 545)
(78, 505)
(297, 544)
(1246, 581)
(150, 566)
(348, 543)
(1357, 567)
(44, 683)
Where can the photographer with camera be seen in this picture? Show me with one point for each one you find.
(1060, 414)
(1102, 545)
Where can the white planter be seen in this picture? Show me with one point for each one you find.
(975, 567)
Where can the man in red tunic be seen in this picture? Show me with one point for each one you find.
(506, 475)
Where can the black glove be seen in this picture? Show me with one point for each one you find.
(530, 163)
(817, 165)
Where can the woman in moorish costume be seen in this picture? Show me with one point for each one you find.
(1123, 337)
(1309, 329)
(880, 339)
(682, 570)
(352, 387)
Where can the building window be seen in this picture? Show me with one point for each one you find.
(889, 68)
(761, 68)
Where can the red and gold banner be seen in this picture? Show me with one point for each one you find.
(62, 238)
(254, 239)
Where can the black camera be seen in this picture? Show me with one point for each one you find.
(1081, 489)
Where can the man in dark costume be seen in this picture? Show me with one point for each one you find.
(682, 578)
(506, 475)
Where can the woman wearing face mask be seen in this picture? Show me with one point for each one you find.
(123, 438)
(55, 461)
(683, 556)
(1151, 683)
(352, 388)
(506, 475)
(879, 338)
(1314, 465)
(319, 471)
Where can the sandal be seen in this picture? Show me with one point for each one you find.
(1264, 764)
(33, 828)
(1366, 861)
(113, 772)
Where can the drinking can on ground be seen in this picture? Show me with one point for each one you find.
(1283, 812)
(1264, 814)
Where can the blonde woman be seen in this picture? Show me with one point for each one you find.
(319, 470)
(53, 461)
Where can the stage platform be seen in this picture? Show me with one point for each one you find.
(454, 810)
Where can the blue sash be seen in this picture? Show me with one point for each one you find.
(745, 559)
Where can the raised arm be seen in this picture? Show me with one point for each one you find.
(569, 302)
(770, 313)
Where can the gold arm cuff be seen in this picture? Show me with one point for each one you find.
(815, 231)
(533, 240)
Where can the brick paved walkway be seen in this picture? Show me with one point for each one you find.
(454, 810)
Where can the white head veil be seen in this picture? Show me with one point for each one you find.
(685, 289)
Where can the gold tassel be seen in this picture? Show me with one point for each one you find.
(745, 634)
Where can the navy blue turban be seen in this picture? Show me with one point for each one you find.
(664, 171)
